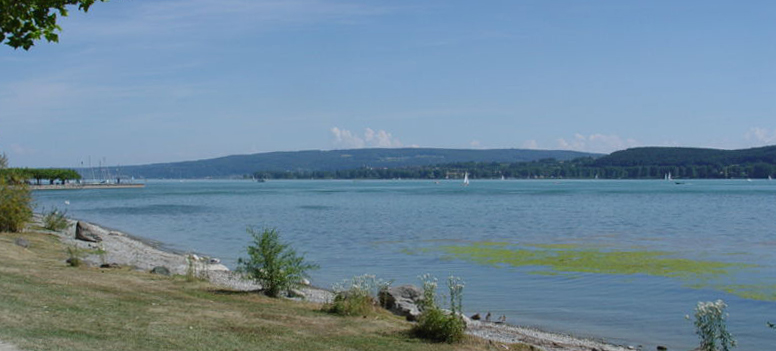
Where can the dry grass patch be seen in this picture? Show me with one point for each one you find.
(47, 305)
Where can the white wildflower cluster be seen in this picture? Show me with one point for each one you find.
(361, 285)
(429, 290)
(455, 285)
(710, 325)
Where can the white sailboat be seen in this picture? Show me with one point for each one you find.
(465, 179)
(668, 176)
(769, 178)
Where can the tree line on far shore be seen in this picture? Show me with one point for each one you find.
(583, 168)
(636, 163)
(53, 175)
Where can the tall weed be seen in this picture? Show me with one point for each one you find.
(55, 220)
(273, 263)
(356, 296)
(434, 323)
(711, 327)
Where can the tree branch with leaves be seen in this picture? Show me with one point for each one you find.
(22, 22)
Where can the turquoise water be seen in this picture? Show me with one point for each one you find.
(399, 230)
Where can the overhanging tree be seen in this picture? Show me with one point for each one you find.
(22, 22)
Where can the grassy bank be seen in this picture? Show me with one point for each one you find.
(46, 305)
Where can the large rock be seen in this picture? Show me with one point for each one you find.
(402, 300)
(87, 232)
(22, 242)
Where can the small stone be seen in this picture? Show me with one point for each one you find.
(215, 260)
(294, 293)
(160, 270)
(662, 348)
(476, 317)
(22, 242)
(304, 282)
(110, 265)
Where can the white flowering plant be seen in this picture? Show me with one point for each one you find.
(711, 326)
(356, 296)
(436, 324)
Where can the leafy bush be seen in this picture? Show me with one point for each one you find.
(357, 296)
(15, 200)
(711, 327)
(74, 256)
(436, 324)
(272, 263)
(55, 220)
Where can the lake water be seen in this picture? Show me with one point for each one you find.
(401, 229)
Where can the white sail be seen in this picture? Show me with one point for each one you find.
(466, 179)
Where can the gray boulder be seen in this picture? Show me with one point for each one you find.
(87, 232)
(402, 301)
(22, 242)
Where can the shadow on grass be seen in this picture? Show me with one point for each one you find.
(229, 292)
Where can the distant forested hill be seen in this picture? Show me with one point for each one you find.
(683, 156)
(311, 161)
(638, 163)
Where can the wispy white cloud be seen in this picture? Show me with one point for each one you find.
(344, 138)
(530, 144)
(19, 150)
(760, 136)
(596, 143)
(195, 18)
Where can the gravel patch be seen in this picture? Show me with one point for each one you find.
(504, 333)
(126, 250)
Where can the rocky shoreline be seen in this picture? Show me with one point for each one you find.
(109, 248)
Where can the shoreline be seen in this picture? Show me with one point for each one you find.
(145, 254)
(85, 186)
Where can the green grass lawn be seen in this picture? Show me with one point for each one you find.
(47, 305)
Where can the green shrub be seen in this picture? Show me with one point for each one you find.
(711, 327)
(436, 324)
(272, 263)
(55, 220)
(357, 296)
(15, 200)
(74, 256)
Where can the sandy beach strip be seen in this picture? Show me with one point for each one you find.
(126, 250)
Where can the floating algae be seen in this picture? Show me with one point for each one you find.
(763, 292)
(567, 258)
(564, 259)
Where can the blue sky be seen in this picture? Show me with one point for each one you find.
(135, 82)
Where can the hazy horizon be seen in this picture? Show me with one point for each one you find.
(137, 83)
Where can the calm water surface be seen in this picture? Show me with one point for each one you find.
(394, 229)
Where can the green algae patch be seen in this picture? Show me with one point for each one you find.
(764, 292)
(555, 246)
(569, 259)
